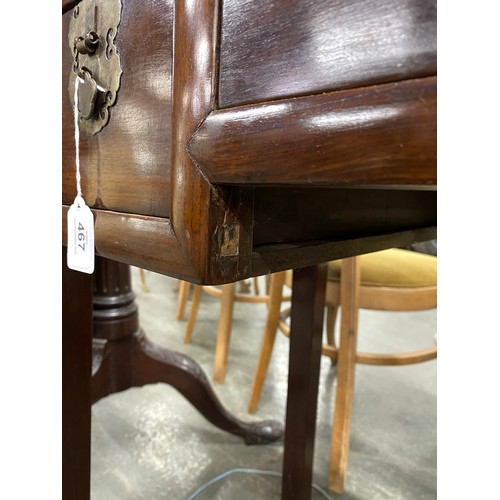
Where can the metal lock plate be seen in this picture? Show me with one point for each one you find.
(92, 33)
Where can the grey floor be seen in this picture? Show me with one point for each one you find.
(149, 444)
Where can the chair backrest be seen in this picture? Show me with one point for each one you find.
(391, 280)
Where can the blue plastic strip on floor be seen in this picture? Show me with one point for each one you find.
(249, 471)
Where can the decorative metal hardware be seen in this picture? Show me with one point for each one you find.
(87, 44)
(96, 61)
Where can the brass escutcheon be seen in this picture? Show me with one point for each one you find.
(92, 33)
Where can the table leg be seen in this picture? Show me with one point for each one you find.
(124, 357)
(306, 327)
(76, 382)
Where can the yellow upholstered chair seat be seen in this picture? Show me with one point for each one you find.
(392, 268)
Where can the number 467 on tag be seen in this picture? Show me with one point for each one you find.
(80, 255)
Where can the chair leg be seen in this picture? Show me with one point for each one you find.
(346, 363)
(256, 285)
(330, 349)
(184, 287)
(275, 294)
(144, 284)
(195, 303)
(224, 332)
(245, 286)
(331, 317)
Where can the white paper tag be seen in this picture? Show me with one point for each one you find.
(80, 237)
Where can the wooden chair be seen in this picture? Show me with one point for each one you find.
(144, 283)
(228, 295)
(390, 280)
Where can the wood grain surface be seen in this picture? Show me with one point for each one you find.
(184, 188)
(126, 166)
(380, 135)
(282, 48)
(213, 224)
(337, 214)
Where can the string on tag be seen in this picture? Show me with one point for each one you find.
(77, 141)
(80, 220)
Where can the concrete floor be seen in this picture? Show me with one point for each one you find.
(150, 444)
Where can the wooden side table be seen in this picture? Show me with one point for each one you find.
(224, 140)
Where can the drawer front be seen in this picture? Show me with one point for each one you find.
(126, 167)
(283, 48)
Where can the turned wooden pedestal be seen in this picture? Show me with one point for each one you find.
(123, 357)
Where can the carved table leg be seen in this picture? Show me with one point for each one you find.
(76, 382)
(124, 357)
(116, 320)
(306, 327)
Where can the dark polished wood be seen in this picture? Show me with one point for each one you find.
(124, 357)
(76, 384)
(152, 364)
(69, 4)
(215, 233)
(138, 136)
(282, 257)
(136, 239)
(308, 304)
(116, 320)
(352, 213)
(150, 243)
(338, 138)
(150, 168)
(284, 48)
(250, 137)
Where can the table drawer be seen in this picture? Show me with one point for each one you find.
(272, 49)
